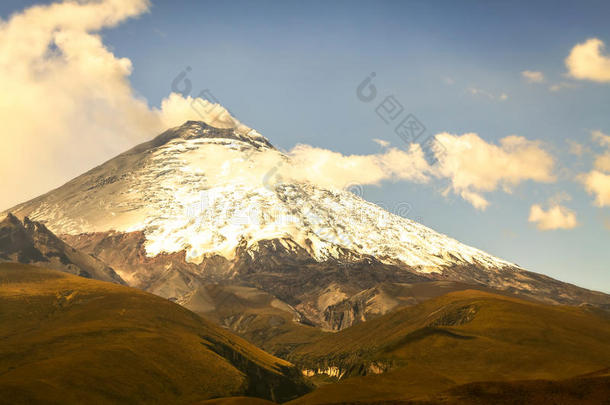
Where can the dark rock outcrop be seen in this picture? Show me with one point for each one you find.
(30, 242)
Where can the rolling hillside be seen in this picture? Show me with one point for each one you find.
(455, 339)
(68, 339)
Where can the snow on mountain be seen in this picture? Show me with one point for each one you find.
(200, 209)
(205, 190)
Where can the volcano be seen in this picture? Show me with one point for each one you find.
(199, 205)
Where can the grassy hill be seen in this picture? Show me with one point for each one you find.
(67, 339)
(454, 340)
(590, 389)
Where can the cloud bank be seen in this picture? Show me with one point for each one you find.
(475, 166)
(471, 166)
(304, 163)
(66, 98)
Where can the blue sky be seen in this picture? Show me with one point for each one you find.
(290, 70)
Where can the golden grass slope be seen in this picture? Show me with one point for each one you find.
(459, 338)
(66, 339)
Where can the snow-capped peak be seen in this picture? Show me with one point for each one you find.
(207, 190)
(201, 130)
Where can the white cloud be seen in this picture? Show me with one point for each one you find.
(305, 163)
(559, 197)
(67, 102)
(575, 148)
(597, 184)
(533, 76)
(471, 165)
(561, 85)
(381, 142)
(475, 166)
(176, 109)
(475, 199)
(332, 169)
(484, 93)
(597, 181)
(66, 98)
(587, 61)
(600, 138)
(602, 162)
(555, 217)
